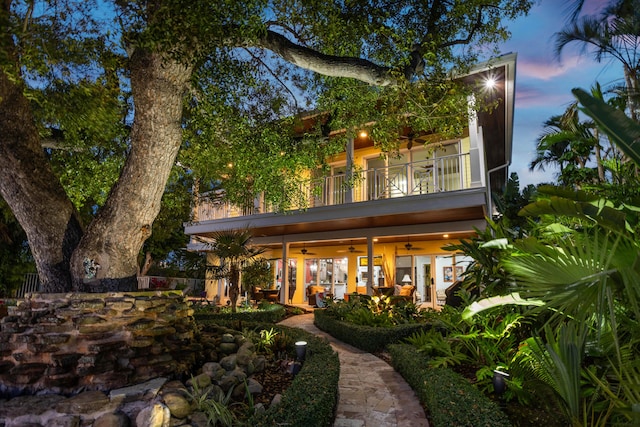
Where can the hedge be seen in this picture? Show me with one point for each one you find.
(272, 314)
(449, 397)
(365, 338)
(312, 398)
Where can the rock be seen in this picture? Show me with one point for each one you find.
(258, 408)
(29, 405)
(200, 381)
(245, 354)
(254, 386)
(157, 415)
(64, 421)
(228, 363)
(84, 403)
(178, 404)
(112, 420)
(260, 363)
(232, 379)
(147, 389)
(228, 338)
(276, 400)
(213, 369)
(199, 419)
(228, 347)
(250, 385)
(240, 340)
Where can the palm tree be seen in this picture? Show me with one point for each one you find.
(612, 34)
(233, 250)
(568, 143)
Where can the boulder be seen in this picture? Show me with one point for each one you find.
(178, 404)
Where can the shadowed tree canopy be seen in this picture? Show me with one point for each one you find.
(97, 99)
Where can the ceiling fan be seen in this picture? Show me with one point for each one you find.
(304, 251)
(351, 249)
(409, 247)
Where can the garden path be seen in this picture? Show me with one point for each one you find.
(372, 393)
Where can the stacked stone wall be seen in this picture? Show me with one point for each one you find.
(67, 343)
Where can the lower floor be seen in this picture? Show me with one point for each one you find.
(301, 272)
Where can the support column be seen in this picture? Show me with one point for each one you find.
(370, 264)
(284, 289)
(348, 196)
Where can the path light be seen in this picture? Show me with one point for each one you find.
(499, 383)
(301, 350)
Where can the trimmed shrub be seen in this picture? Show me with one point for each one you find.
(312, 397)
(272, 313)
(450, 399)
(366, 338)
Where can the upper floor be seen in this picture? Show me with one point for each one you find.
(438, 185)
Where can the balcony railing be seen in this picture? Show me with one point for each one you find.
(443, 174)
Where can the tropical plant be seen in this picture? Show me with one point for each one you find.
(584, 269)
(233, 250)
(611, 34)
(258, 273)
(569, 144)
(214, 404)
(482, 343)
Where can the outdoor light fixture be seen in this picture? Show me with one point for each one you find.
(363, 134)
(406, 279)
(499, 383)
(301, 350)
(490, 83)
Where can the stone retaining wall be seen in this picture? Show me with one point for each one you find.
(67, 343)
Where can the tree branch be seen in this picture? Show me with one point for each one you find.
(329, 65)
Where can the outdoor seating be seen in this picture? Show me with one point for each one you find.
(406, 292)
(312, 292)
(256, 293)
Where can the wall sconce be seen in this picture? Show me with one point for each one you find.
(406, 279)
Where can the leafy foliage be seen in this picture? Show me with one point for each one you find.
(15, 257)
(451, 400)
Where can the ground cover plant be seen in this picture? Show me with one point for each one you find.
(308, 397)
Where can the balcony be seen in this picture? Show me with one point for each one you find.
(444, 174)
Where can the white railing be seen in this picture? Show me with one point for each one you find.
(442, 174)
(31, 283)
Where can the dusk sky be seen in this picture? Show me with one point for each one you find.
(544, 83)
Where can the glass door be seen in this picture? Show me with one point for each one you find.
(424, 279)
(310, 274)
(340, 269)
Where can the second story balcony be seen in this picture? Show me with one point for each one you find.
(444, 174)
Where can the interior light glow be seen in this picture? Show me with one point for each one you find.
(446, 236)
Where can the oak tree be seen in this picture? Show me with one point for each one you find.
(125, 85)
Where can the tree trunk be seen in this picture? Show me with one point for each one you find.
(106, 258)
(234, 288)
(29, 186)
(146, 264)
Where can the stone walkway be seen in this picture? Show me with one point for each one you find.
(372, 394)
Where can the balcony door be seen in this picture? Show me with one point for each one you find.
(421, 170)
(329, 190)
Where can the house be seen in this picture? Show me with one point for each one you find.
(388, 229)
